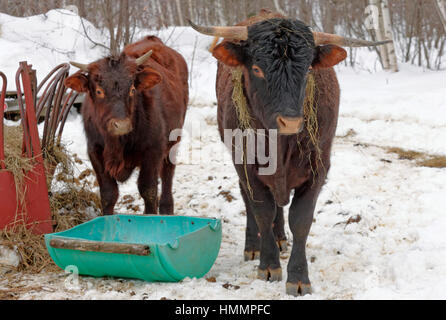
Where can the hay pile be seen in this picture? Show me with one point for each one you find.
(72, 200)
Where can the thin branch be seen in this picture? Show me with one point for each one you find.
(91, 40)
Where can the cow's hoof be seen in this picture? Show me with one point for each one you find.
(251, 255)
(283, 245)
(270, 274)
(298, 289)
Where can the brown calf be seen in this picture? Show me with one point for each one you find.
(132, 103)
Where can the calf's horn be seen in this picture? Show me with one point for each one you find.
(328, 38)
(143, 58)
(234, 33)
(83, 67)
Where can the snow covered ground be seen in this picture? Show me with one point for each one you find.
(379, 223)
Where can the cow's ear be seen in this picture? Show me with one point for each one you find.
(147, 78)
(77, 82)
(229, 53)
(328, 56)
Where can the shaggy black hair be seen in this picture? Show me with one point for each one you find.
(284, 49)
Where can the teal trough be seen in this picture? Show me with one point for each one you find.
(150, 248)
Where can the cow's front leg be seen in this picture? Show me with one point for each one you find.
(108, 188)
(148, 186)
(279, 230)
(264, 212)
(252, 235)
(300, 220)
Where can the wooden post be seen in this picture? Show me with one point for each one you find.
(100, 246)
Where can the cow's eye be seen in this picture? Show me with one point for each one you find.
(257, 71)
(100, 92)
(132, 91)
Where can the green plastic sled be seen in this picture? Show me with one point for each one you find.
(151, 248)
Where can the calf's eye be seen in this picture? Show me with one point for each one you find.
(100, 93)
(257, 71)
(132, 91)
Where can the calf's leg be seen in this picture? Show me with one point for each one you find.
(108, 188)
(166, 201)
(148, 185)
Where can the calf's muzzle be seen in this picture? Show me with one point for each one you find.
(288, 126)
(119, 127)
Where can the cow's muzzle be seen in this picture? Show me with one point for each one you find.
(288, 126)
(119, 127)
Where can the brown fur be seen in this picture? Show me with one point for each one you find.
(157, 107)
(298, 168)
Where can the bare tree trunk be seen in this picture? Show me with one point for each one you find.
(161, 14)
(170, 14)
(127, 36)
(220, 13)
(305, 11)
(278, 8)
(191, 11)
(81, 7)
(388, 35)
(180, 13)
(380, 35)
(441, 8)
(108, 12)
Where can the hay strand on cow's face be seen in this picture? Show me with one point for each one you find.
(243, 116)
(311, 123)
(239, 99)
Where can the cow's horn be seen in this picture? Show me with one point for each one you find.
(143, 58)
(83, 67)
(233, 33)
(328, 38)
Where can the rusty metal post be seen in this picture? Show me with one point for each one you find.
(37, 215)
(8, 193)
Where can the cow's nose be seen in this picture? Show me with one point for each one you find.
(119, 127)
(290, 125)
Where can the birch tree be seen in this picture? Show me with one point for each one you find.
(441, 8)
(388, 35)
(180, 13)
(278, 8)
(379, 33)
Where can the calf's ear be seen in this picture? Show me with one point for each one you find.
(77, 82)
(328, 56)
(147, 78)
(228, 53)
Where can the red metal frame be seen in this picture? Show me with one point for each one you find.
(37, 213)
(8, 195)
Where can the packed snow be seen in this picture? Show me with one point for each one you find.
(380, 220)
